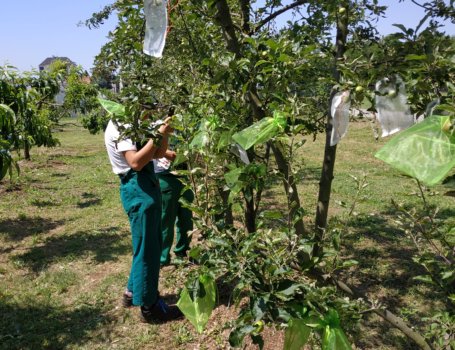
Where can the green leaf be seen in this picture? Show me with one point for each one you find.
(271, 214)
(349, 263)
(424, 278)
(181, 158)
(284, 58)
(5, 164)
(7, 117)
(261, 62)
(237, 335)
(296, 335)
(272, 44)
(413, 57)
(289, 290)
(447, 275)
(198, 311)
(232, 177)
(200, 140)
(225, 140)
(366, 104)
(402, 27)
(450, 236)
(259, 308)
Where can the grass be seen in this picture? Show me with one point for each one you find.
(65, 249)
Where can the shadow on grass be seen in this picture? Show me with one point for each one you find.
(103, 245)
(386, 337)
(385, 257)
(309, 174)
(65, 175)
(45, 203)
(447, 213)
(89, 199)
(23, 227)
(46, 327)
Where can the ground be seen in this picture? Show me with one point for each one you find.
(65, 251)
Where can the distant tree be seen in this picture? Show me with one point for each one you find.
(28, 96)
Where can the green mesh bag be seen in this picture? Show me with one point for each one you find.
(198, 308)
(113, 108)
(296, 335)
(261, 131)
(425, 151)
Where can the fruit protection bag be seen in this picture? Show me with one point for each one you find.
(425, 151)
(155, 27)
(261, 131)
(197, 303)
(340, 115)
(391, 103)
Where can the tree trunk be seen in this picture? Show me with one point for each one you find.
(328, 165)
(250, 212)
(290, 188)
(26, 150)
(226, 215)
(225, 21)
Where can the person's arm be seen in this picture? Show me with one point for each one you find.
(170, 155)
(161, 151)
(138, 159)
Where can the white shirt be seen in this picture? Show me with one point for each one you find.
(115, 149)
(161, 164)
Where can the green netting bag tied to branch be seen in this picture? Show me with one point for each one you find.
(297, 334)
(328, 326)
(425, 151)
(197, 301)
(113, 108)
(261, 131)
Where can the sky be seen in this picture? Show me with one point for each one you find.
(32, 30)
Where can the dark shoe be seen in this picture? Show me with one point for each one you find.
(181, 255)
(127, 300)
(160, 312)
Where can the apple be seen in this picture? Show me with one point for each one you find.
(446, 126)
(259, 326)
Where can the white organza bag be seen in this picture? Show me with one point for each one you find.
(155, 27)
(394, 113)
(341, 103)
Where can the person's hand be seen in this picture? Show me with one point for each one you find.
(166, 128)
(170, 155)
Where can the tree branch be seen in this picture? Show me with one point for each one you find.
(389, 317)
(245, 6)
(277, 13)
(225, 20)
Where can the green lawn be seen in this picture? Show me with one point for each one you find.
(65, 249)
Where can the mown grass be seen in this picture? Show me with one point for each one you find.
(65, 249)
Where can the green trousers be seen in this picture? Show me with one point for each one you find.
(174, 214)
(141, 199)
